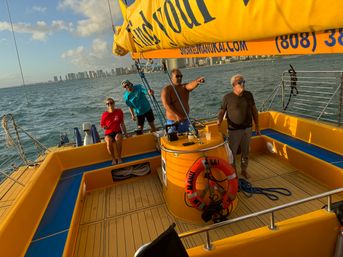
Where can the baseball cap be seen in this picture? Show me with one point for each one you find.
(125, 82)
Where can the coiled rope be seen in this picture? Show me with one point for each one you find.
(270, 192)
(11, 142)
(9, 139)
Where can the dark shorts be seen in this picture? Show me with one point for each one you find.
(113, 135)
(182, 126)
(149, 115)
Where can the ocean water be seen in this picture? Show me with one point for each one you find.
(46, 110)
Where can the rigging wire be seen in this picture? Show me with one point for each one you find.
(16, 47)
(111, 16)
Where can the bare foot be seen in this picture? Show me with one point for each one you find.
(114, 162)
(120, 160)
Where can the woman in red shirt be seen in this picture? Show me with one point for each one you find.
(112, 121)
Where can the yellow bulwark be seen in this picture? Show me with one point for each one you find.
(229, 27)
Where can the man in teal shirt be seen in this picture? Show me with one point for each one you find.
(139, 105)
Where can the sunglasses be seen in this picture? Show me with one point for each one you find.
(109, 103)
(179, 76)
(241, 82)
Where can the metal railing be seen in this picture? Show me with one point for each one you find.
(311, 94)
(272, 226)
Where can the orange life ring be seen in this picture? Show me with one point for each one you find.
(199, 166)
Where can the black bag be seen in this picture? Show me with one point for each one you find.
(172, 136)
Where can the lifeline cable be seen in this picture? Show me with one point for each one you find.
(153, 100)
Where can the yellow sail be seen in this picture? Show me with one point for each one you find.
(189, 28)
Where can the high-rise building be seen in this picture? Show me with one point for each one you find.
(92, 74)
(100, 74)
(55, 79)
(81, 75)
(120, 71)
(71, 76)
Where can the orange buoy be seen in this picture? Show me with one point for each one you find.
(205, 164)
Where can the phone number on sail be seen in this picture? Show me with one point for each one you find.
(309, 40)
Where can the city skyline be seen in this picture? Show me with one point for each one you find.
(151, 66)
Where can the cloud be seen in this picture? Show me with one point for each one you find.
(61, 25)
(96, 20)
(40, 9)
(98, 56)
(39, 31)
(97, 16)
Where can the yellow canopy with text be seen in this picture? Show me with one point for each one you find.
(189, 28)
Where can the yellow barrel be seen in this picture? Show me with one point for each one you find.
(176, 163)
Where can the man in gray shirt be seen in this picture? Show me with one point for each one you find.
(240, 109)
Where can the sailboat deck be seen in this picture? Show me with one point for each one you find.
(118, 220)
(10, 189)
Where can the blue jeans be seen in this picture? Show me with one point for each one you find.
(183, 126)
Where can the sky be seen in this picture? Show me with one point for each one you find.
(56, 37)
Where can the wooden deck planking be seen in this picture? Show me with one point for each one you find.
(135, 212)
(90, 241)
(129, 197)
(261, 202)
(94, 207)
(8, 183)
(309, 185)
(271, 162)
(10, 190)
(3, 211)
(257, 171)
(138, 239)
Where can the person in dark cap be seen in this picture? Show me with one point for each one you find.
(139, 106)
